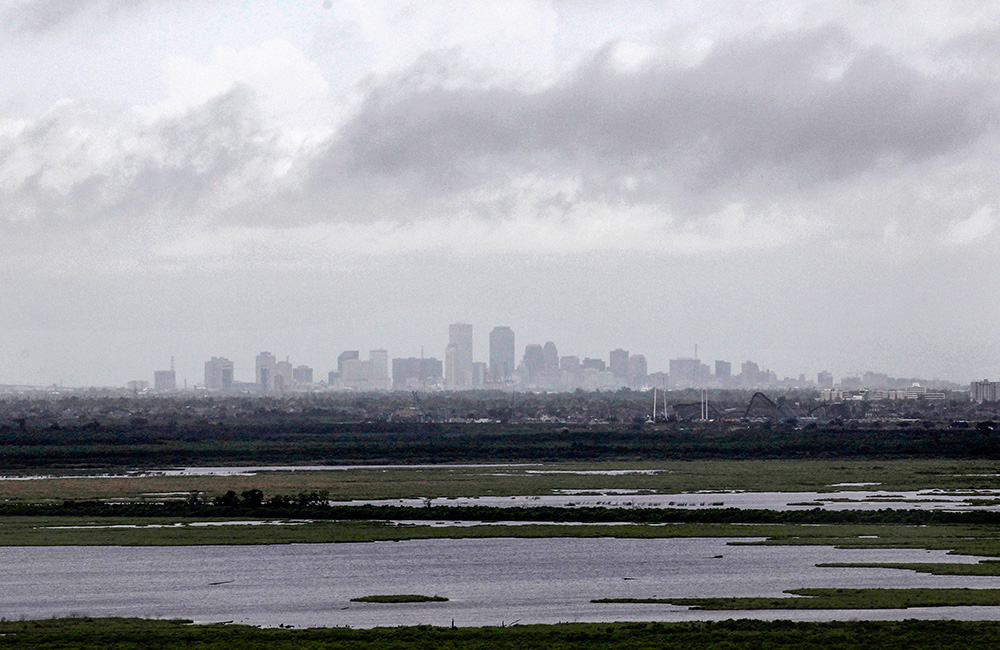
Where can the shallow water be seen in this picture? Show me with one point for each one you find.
(488, 581)
(848, 500)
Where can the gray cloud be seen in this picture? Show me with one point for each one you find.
(761, 120)
(41, 16)
(778, 109)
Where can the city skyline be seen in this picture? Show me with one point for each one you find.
(533, 365)
(808, 184)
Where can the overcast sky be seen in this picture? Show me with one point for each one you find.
(810, 185)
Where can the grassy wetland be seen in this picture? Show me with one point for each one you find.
(269, 507)
(398, 482)
(121, 633)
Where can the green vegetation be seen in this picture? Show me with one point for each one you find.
(400, 598)
(982, 568)
(121, 634)
(664, 477)
(274, 435)
(837, 599)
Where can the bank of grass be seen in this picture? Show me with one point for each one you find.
(399, 598)
(836, 599)
(120, 634)
(977, 540)
(982, 568)
(540, 479)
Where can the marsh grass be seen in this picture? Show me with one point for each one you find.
(540, 479)
(836, 599)
(118, 634)
(399, 598)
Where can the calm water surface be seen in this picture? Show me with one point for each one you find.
(488, 581)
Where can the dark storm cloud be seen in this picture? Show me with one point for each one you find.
(798, 109)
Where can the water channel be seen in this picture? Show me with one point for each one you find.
(487, 581)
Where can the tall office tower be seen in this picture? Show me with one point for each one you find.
(637, 371)
(750, 374)
(451, 367)
(593, 364)
(551, 377)
(723, 372)
(460, 335)
(685, 372)
(619, 363)
(380, 363)
(571, 374)
(164, 380)
(345, 356)
(264, 370)
(824, 379)
(284, 372)
(534, 363)
(502, 353)
(218, 373)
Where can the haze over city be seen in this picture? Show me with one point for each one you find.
(810, 185)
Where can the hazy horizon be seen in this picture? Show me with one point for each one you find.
(808, 185)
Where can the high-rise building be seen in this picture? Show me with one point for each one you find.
(265, 368)
(460, 335)
(637, 371)
(825, 379)
(502, 354)
(534, 363)
(346, 355)
(218, 373)
(414, 374)
(302, 375)
(723, 372)
(750, 374)
(380, 363)
(164, 380)
(593, 364)
(370, 374)
(284, 375)
(451, 367)
(685, 372)
(619, 364)
(984, 391)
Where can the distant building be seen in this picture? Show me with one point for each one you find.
(137, 386)
(824, 379)
(750, 374)
(265, 368)
(371, 374)
(218, 373)
(415, 374)
(347, 355)
(165, 380)
(534, 363)
(502, 354)
(984, 391)
(302, 375)
(593, 364)
(479, 373)
(685, 372)
(637, 371)
(618, 363)
(723, 372)
(460, 336)
(284, 375)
